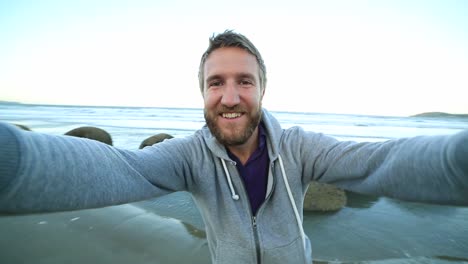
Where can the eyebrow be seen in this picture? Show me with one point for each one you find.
(246, 75)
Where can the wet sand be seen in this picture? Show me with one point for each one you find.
(169, 230)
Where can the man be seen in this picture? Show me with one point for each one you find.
(248, 176)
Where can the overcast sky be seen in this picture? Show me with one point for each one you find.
(355, 57)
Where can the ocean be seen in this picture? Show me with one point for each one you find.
(170, 230)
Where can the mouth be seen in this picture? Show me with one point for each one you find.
(231, 115)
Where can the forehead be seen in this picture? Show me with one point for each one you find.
(230, 60)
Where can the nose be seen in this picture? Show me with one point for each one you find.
(230, 95)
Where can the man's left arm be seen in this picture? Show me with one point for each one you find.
(426, 168)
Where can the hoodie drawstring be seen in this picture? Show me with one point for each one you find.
(291, 199)
(228, 177)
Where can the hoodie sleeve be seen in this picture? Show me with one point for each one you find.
(9, 156)
(41, 173)
(430, 169)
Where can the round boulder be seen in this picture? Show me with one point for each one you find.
(23, 127)
(90, 132)
(324, 197)
(155, 139)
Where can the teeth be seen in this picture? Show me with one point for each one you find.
(231, 115)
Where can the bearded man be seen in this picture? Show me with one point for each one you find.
(247, 175)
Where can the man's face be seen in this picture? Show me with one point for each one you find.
(232, 95)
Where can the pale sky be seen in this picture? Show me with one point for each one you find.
(354, 57)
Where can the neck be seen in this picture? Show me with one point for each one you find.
(244, 151)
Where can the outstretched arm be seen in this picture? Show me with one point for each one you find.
(40, 172)
(426, 168)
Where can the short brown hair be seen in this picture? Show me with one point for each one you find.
(231, 39)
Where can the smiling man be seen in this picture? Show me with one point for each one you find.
(247, 175)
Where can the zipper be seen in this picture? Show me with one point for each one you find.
(254, 220)
(257, 241)
(254, 217)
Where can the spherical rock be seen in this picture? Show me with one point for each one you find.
(155, 139)
(324, 197)
(90, 132)
(23, 127)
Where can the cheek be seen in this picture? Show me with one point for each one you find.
(254, 98)
(209, 99)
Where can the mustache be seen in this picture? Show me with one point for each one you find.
(224, 109)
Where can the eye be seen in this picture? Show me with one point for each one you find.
(245, 82)
(215, 83)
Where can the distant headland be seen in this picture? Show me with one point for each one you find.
(440, 115)
(9, 102)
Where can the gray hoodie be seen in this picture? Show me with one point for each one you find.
(40, 172)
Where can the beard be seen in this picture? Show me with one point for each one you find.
(238, 134)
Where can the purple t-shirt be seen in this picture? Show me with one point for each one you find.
(255, 171)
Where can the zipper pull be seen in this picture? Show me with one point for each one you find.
(254, 221)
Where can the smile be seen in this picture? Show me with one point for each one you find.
(231, 115)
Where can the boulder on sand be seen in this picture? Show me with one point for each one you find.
(155, 139)
(324, 197)
(90, 132)
(23, 127)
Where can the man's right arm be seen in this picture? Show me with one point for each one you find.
(9, 156)
(41, 172)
